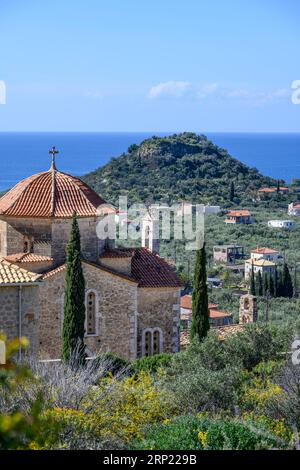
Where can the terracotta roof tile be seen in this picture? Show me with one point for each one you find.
(264, 251)
(13, 274)
(240, 213)
(260, 262)
(186, 302)
(28, 258)
(50, 194)
(148, 268)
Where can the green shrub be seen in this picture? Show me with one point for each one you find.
(152, 363)
(204, 433)
(115, 364)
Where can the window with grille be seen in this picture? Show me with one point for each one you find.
(156, 342)
(91, 314)
(152, 342)
(148, 343)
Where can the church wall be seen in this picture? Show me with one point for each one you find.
(91, 246)
(116, 314)
(121, 265)
(9, 313)
(159, 308)
(12, 231)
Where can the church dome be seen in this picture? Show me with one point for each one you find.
(50, 194)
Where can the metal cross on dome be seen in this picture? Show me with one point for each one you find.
(53, 152)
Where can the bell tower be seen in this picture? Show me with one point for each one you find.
(150, 232)
(248, 309)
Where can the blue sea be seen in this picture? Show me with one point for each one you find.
(23, 154)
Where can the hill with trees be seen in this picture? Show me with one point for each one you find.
(183, 166)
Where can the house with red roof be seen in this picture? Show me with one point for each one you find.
(263, 260)
(132, 295)
(216, 316)
(238, 217)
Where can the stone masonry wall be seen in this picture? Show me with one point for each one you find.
(160, 308)
(122, 265)
(9, 313)
(12, 231)
(91, 246)
(116, 319)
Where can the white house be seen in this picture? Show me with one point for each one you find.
(294, 209)
(267, 254)
(262, 265)
(287, 224)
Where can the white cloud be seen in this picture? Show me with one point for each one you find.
(175, 89)
(217, 92)
(95, 95)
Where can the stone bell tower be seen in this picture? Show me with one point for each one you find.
(248, 309)
(150, 232)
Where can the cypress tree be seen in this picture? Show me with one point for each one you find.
(288, 288)
(280, 287)
(259, 284)
(265, 284)
(276, 283)
(278, 186)
(232, 191)
(74, 307)
(252, 283)
(271, 285)
(200, 319)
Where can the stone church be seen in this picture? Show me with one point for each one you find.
(132, 294)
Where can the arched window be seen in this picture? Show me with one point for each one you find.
(148, 343)
(91, 313)
(156, 342)
(147, 237)
(152, 341)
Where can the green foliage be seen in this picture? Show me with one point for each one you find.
(153, 363)
(182, 166)
(74, 308)
(19, 429)
(252, 283)
(204, 433)
(115, 364)
(200, 319)
(287, 287)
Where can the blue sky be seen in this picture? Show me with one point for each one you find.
(129, 65)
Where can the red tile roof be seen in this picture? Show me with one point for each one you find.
(218, 314)
(264, 251)
(13, 274)
(27, 258)
(273, 190)
(241, 213)
(50, 194)
(148, 268)
(186, 302)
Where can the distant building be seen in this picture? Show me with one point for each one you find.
(228, 253)
(266, 253)
(238, 217)
(265, 192)
(187, 208)
(294, 209)
(216, 317)
(287, 224)
(262, 265)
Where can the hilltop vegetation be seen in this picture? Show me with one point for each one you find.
(183, 166)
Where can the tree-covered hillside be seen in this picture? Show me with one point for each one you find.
(180, 167)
